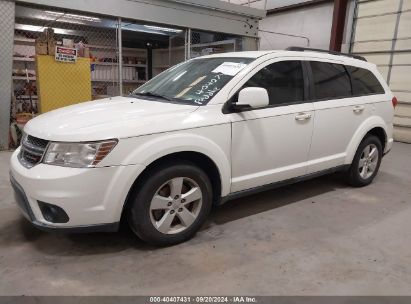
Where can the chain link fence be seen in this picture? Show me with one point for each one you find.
(206, 43)
(40, 82)
(63, 57)
(6, 39)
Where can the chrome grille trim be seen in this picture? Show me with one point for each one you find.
(32, 151)
(32, 148)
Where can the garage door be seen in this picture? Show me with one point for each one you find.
(382, 34)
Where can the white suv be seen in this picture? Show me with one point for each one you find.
(205, 131)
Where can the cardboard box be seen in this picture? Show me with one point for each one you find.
(69, 43)
(41, 47)
(86, 52)
(51, 45)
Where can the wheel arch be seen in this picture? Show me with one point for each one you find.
(199, 159)
(374, 125)
(379, 132)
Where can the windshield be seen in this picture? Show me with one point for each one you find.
(193, 82)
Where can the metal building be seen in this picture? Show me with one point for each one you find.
(181, 30)
(382, 34)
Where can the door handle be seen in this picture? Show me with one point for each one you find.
(302, 116)
(358, 109)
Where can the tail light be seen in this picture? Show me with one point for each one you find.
(394, 101)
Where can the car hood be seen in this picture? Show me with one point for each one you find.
(116, 117)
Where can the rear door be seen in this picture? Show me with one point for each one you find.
(338, 114)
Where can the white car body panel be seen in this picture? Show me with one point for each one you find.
(117, 117)
(210, 141)
(269, 145)
(250, 149)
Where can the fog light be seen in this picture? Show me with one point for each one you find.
(53, 213)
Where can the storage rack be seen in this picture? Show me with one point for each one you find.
(25, 47)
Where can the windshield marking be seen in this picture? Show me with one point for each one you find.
(206, 95)
(204, 87)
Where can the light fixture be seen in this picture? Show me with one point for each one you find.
(73, 16)
(35, 28)
(163, 29)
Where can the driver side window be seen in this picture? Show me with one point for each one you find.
(284, 82)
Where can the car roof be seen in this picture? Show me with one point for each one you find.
(283, 53)
(244, 54)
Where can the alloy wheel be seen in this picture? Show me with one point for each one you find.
(368, 161)
(176, 205)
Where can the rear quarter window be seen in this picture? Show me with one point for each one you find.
(364, 82)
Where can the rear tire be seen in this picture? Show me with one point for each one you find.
(366, 162)
(171, 204)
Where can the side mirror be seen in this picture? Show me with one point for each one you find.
(253, 97)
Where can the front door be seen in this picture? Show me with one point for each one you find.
(272, 144)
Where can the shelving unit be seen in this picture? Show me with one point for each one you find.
(22, 40)
(110, 47)
(24, 78)
(116, 80)
(101, 86)
(115, 64)
(24, 59)
(25, 49)
(223, 46)
(104, 73)
(27, 96)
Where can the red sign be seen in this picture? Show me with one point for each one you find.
(65, 54)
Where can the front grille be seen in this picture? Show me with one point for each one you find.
(32, 150)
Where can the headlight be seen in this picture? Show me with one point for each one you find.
(78, 155)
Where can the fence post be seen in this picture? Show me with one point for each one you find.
(120, 57)
(189, 43)
(7, 14)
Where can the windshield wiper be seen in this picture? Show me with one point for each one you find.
(152, 94)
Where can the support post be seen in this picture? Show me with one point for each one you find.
(149, 62)
(120, 57)
(338, 24)
(185, 45)
(189, 43)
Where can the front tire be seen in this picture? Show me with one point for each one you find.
(366, 162)
(171, 204)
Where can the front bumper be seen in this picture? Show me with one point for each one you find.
(93, 198)
(23, 203)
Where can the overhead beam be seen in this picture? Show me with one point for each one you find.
(210, 15)
(295, 6)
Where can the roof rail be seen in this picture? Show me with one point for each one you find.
(302, 49)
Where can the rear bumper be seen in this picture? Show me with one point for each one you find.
(388, 146)
(23, 203)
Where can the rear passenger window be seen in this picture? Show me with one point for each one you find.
(283, 81)
(364, 82)
(330, 80)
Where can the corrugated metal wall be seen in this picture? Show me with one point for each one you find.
(382, 33)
